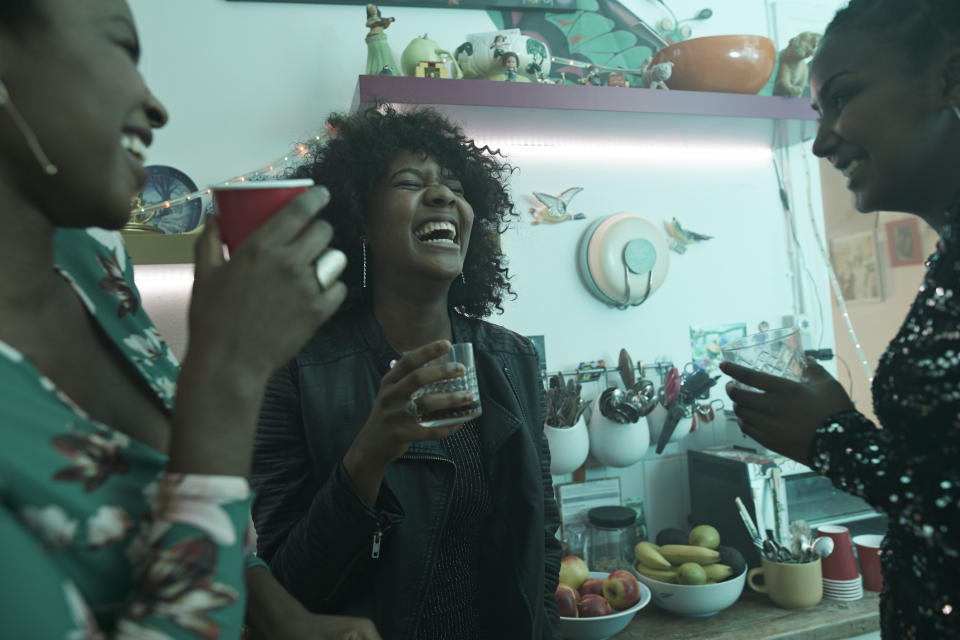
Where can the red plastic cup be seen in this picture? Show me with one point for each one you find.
(841, 564)
(868, 551)
(244, 206)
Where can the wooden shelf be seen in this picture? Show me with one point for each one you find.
(147, 247)
(564, 114)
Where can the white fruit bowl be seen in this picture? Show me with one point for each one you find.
(603, 627)
(695, 600)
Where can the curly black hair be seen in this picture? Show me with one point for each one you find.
(17, 15)
(355, 158)
(919, 28)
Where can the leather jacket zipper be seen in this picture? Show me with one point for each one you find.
(377, 537)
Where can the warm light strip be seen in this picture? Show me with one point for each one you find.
(833, 277)
(642, 153)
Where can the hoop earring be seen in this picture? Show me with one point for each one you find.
(463, 278)
(31, 138)
(956, 111)
(363, 251)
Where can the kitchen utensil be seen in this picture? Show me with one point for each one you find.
(626, 369)
(800, 539)
(748, 523)
(822, 546)
(779, 494)
(615, 444)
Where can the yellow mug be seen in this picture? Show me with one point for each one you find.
(791, 585)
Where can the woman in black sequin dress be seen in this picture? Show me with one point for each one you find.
(886, 82)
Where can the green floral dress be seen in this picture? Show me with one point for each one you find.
(96, 540)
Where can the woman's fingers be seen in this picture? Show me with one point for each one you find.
(208, 250)
(413, 360)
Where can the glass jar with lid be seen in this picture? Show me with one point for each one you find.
(611, 537)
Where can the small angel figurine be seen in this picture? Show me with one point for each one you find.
(379, 56)
(792, 74)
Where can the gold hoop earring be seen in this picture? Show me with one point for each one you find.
(31, 138)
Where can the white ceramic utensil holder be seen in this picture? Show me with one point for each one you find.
(614, 444)
(569, 446)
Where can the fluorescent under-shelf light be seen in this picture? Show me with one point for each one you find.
(635, 153)
(163, 279)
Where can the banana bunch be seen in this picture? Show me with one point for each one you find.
(680, 563)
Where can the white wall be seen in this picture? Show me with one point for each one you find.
(243, 81)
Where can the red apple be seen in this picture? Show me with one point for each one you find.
(621, 589)
(593, 606)
(567, 599)
(573, 571)
(593, 585)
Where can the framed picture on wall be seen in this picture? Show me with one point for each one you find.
(855, 264)
(903, 242)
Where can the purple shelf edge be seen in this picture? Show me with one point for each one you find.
(488, 93)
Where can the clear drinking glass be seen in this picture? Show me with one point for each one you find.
(777, 352)
(461, 352)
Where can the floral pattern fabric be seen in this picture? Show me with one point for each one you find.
(96, 540)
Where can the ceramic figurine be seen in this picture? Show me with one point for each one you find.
(656, 76)
(554, 208)
(510, 64)
(379, 55)
(680, 237)
(593, 77)
(617, 80)
(792, 75)
(499, 46)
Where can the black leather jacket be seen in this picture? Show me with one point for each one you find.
(318, 536)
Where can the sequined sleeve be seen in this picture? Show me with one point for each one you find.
(915, 484)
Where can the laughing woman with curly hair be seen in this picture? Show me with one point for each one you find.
(432, 532)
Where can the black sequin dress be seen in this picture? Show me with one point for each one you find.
(909, 466)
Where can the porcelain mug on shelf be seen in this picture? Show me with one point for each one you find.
(841, 564)
(614, 444)
(569, 446)
(791, 585)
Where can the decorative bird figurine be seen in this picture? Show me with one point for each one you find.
(553, 209)
(680, 237)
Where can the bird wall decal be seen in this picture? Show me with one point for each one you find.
(552, 209)
(680, 237)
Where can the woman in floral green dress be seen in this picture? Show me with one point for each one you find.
(123, 512)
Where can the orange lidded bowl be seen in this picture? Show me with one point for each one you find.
(728, 64)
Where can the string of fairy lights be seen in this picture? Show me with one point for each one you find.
(834, 282)
(143, 212)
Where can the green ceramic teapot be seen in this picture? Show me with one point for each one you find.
(421, 49)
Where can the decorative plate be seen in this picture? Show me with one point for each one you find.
(623, 259)
(166, 183)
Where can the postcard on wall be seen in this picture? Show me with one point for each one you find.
(575, 499)
(706, 342)
(903, 242)
(855, 264)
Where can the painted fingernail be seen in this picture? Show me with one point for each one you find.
(329, 267)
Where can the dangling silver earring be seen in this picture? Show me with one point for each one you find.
(463, 278)
(956, 111)
(363, 251)
(5, 103)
